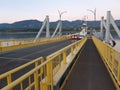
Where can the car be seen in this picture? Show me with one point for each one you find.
(74, 37)
(77, 37)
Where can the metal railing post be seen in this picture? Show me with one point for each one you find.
(113, 56)
(36, 80)
(64, 57)
(9, 79)
(50, 75)
(118, 70)
(72, 51)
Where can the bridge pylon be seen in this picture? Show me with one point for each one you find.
(106, 24)
(45, 23)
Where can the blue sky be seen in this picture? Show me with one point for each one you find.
(17, 10)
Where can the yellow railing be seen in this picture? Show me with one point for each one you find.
(7, 45)
(111, 58)
(42, 76)
(12, 75)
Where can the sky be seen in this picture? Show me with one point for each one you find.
(17, 10)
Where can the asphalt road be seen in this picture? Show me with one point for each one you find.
(12, 59)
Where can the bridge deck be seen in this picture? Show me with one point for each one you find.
(15, 58)
(89, 73)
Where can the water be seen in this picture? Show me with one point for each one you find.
(17, 35)
(23, 35)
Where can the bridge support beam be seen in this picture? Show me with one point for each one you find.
(45, 23)
(58, 25)
(107, 34)
(107, 24)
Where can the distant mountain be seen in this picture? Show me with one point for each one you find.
(26, 24)
(35, 24)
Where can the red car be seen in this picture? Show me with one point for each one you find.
(74, 37)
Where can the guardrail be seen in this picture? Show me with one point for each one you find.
(8, 77)
(7, 45)
(111, 58)
(42, 76)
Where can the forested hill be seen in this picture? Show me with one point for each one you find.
(35, 24)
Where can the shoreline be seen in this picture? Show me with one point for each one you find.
(18, 32)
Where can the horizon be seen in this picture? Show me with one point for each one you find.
(51, 21)
(14, 11)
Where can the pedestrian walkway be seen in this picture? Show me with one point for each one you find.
(89, 72)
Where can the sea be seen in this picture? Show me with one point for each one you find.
(18, 35)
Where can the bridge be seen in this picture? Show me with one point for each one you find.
(60, 62)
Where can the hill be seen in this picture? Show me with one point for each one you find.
(35, 25)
